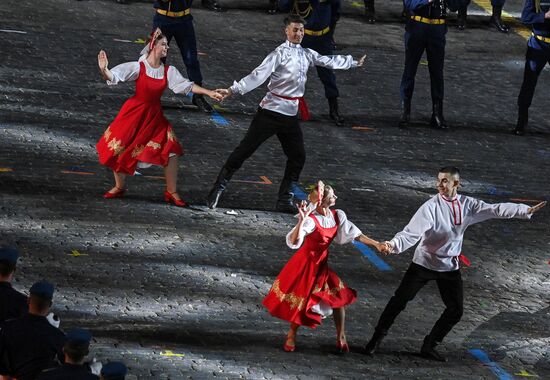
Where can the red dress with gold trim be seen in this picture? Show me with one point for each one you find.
(140, 132)
(306, 280)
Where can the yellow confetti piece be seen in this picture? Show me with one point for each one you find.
(171, 354)
(139, 41)
(524, 373)
(424, 62)
(363, 128)
(5, 170)
(75, 253)
(219, 108)
(357, 4)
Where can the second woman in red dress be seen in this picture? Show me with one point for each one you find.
(307, 290)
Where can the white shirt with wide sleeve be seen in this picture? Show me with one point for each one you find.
(440, 223)
(287, 68)
(129, 71)
(347, 231)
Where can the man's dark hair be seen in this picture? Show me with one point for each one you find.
(6, 268)
(452, 170)
(40, 303)
(294, 19)
(76, 351)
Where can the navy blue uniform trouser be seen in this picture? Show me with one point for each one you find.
(420, 37)
(450, 289)
(184, 34)
(535, 60)
(323, 45)
(265, 124)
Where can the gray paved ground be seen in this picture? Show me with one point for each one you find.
(176, 293)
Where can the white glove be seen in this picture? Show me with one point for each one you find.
(54, 320)
(95, 366)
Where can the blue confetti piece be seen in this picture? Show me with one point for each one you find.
(494, 191)
(298, 193)
(494, 367)
(372, 257)
(218, 119)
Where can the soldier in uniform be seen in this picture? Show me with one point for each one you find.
(113, 371)
(321, 17)
(30, 344)
(75, 349)
(174, 19)
(496, 17)
(425, 30)
(536, 13)
(12, 303)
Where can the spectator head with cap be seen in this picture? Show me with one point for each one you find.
(8, 262)
(113, 371)
(40, 298)
(77, 346)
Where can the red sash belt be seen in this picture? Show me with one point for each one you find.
(302, 105)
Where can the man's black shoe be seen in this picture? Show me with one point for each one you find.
(438, 121)
(214, 196)
(461, 19)
(405, 115)
(496, 20)
(272, 7)
(374, 343)
(212, 5)
(432, 354)
(286, 206)
(202, 104)
(334, 113)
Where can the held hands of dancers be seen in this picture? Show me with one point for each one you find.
(536, 207)
(224, 92)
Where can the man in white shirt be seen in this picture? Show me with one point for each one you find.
(286, 68)
(439, 225)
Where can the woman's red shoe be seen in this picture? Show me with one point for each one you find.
(288, 348)
(169, 197)
(342, 348)
(118, 193)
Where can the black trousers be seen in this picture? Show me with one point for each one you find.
(184, 34)
(420, 37)
(264, 125)
(535, 60)
(450, 288)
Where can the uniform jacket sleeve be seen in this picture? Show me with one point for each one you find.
(529, 14)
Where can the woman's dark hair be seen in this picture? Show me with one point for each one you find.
(159, 37)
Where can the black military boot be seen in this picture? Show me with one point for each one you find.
(334, 114)
(461, 18)
(219, 186)
(428, 350)
(405, 114)
(496, 20)
(201, 103)
(370, 13)
(374, 342)
(438, 121)
(212, 5)
(272, 7)
(285, 202)
(523, 118)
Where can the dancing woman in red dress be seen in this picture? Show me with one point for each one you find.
(307, 290)
(140, 135)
